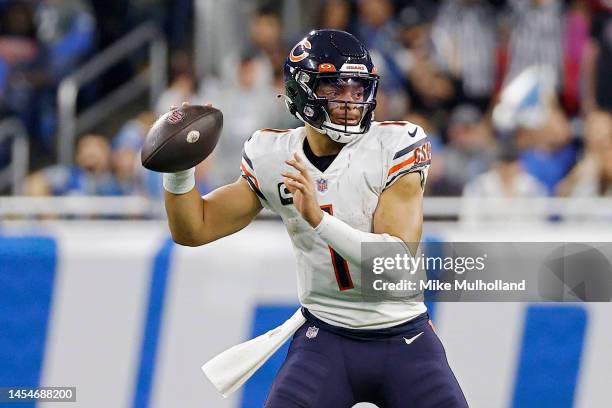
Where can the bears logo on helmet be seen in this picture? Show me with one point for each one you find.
(305, 44)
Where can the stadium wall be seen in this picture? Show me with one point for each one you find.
(119, 311)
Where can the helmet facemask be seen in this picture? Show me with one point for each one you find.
(340, 105)
(349, 99)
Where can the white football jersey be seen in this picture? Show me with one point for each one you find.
(348, 189)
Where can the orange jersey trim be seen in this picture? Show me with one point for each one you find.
(275, 130)
(249, 174)
(400, 165)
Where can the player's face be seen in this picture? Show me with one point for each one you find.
(345, 97)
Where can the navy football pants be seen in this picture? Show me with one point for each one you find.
(331, 370)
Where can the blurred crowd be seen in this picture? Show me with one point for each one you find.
(40, 43)
(444, 65)
(43, 41)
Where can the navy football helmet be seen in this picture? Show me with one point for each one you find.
(331, 84)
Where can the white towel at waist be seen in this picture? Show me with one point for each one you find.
(232, 368)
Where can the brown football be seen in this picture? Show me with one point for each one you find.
(182, 138)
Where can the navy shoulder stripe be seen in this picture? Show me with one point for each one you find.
(254, 187)
(246, 159)
(410, 148)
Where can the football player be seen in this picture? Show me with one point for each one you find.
(340, 180)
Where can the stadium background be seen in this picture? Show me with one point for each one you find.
(93, 293)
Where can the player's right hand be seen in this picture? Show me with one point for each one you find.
(301, 186)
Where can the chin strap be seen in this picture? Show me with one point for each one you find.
(339, 136)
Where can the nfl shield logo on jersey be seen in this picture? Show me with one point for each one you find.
(312, 332)
(321, 185)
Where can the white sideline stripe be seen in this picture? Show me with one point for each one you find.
(12, 206)
(73, 205)
(473, 336)
(593, 388)
(224, 311)
(98, 313)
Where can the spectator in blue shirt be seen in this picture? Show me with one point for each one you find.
(90, 175)
(549, 154)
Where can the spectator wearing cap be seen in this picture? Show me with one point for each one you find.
(491, 196)
(470, 150)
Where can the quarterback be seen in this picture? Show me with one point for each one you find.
(340, 180)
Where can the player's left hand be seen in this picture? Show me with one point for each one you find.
(301, 186)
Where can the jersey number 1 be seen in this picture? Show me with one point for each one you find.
(343, 276)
